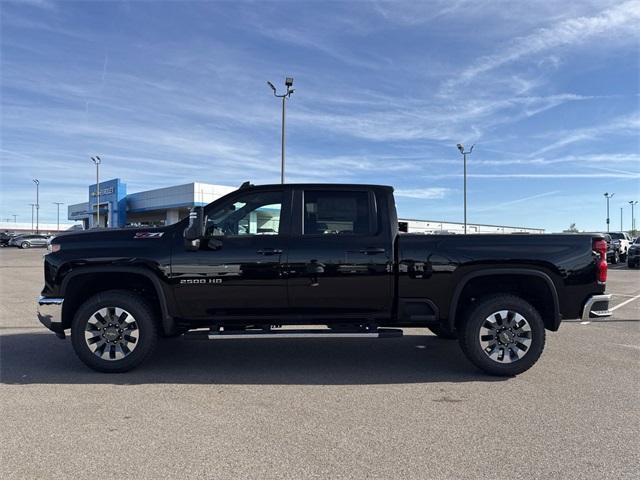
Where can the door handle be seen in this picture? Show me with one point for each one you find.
(372, 251)
(269, 251)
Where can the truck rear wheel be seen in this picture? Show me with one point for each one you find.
(503, 335)
(114, 331)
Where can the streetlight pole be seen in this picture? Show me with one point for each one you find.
(621, 229)
(58, 205)
(288, 83)
(633, 218)
(97, 161)
(32, 205)
(608, 196)
(15, 216)
(464, 156)
(37, 182)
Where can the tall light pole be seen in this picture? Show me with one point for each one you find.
(464, 156)
(37, 182)
(288, 83)
(633, 218)
(58, 205)
(97, 161)
(608, 196)
(621, 229)
(32, 205)
(16, 216)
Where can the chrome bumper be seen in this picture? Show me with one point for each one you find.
(598, 301)
(50, 314)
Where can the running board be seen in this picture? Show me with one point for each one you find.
(324, 333)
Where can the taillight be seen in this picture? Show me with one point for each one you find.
(600, 247)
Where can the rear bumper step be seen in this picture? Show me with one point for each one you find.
(596, 307)
(320, 333)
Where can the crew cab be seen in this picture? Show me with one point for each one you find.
(315, 260)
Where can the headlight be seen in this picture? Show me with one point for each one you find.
(53, 247)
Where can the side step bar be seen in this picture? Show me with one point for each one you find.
(323, 333)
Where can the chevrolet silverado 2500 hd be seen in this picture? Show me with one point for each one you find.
(265, 260)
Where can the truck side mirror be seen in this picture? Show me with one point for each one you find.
(195, 230)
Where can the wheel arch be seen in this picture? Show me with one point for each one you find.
(79, 285)
(535, 286)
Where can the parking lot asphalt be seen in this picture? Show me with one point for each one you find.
(411, 407)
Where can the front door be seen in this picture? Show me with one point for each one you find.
(237, 270)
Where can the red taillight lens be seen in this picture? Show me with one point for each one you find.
(600, 247)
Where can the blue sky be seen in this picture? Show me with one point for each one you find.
(170, 93)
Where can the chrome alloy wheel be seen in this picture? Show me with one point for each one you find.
(505, 336)
(111, 333)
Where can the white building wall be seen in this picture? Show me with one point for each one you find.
(173, 216)
(439, 227)
(179, 195)
(206, 193)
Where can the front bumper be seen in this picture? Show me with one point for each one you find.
(50, 314)
(597, 306)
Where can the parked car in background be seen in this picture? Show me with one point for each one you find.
(613, 251)
(29, 241)
(622, 241)
(5, 237)
(633, 255)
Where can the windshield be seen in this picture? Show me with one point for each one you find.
(617, 236)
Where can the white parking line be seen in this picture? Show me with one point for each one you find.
(624, 303)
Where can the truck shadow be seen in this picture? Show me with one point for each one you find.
(40, 358)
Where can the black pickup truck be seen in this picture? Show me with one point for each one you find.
(315, 260)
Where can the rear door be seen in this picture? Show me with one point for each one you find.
(340, 254)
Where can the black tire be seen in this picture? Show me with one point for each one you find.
(631, 264)
(143, 318)
(443, 333)
(478, 317)
(24, 245)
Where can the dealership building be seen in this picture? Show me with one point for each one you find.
(164, 206)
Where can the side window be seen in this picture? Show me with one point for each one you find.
(336, 213)
(252, 214)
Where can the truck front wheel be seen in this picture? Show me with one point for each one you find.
(503, 335)
(114, 331)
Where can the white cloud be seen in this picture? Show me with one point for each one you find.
(620, 21)
(430, 193)
(498, 206)
(623, 125)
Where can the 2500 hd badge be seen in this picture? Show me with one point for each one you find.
(200, 281)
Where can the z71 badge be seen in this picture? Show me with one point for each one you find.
(148, 235)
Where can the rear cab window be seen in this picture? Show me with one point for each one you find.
(338, 212)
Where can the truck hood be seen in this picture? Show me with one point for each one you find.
(121, 239)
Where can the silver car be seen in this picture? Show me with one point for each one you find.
(29, 240)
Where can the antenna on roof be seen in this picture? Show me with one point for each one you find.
(246, 184)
